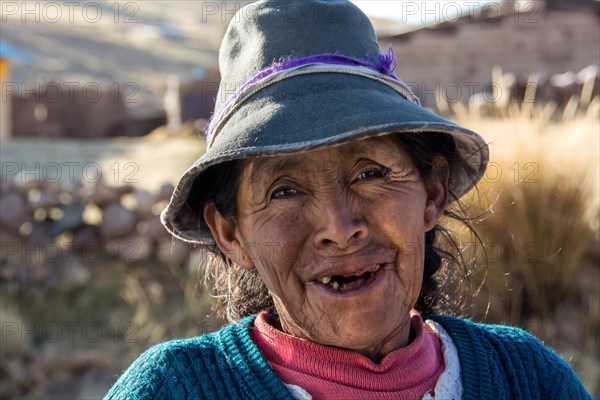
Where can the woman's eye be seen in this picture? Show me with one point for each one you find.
(283, 192)
(373, 173)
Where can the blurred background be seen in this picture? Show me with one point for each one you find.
(103, 107)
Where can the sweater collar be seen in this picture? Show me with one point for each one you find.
(305, 363)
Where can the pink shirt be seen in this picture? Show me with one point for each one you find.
(331, 373)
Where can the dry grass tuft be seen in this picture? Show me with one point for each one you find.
(541, 232)
(541, 189)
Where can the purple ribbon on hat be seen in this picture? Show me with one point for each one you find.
(386, 64)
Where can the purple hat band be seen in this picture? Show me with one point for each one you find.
(385, 64)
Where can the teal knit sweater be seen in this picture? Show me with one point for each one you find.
(497, 362)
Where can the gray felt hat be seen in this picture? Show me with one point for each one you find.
(302, 75)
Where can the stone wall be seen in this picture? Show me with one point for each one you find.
(51, 234)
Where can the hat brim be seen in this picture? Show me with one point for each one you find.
(308, 112)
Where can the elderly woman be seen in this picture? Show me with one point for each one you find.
(319, 198)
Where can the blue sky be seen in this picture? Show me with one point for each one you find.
(418, 11)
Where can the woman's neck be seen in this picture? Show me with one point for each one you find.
(400, 337)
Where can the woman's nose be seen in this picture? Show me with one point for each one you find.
(340, 224)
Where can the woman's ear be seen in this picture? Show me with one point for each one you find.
(227, 236)
(437, 192)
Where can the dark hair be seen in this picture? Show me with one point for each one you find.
(241, 292)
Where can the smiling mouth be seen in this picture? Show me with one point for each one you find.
(344, 283)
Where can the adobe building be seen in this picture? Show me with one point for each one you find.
(456, 57)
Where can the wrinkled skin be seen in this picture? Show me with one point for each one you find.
(329, 212)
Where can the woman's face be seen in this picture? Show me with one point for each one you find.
(337, 235)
